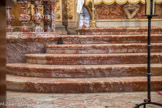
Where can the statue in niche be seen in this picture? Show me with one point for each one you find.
(131, 10)
(84, 18)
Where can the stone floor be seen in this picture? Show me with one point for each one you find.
(95, 100)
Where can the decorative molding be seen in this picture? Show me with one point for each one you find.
(131, 10)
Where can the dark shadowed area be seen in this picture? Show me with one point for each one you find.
(2, 53)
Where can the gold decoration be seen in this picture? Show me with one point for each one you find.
(93, 22)
(68, 10)
(58, 11)
(158, 1)
(108, 2)
(97, 2)
(133, 1)
(120, 2)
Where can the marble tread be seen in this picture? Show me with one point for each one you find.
(82, 71)
(87, 64)
(107, 39)
(102, 48)
(82, 39)
(119, 30)
(92, 59)
(81, 85)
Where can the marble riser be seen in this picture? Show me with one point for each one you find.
(80, 39)
(119, 71)
(102, 48)
(92, 59)
(19, 44)
(81, 71)
(81, 85)
(119, 30)
(109, 39)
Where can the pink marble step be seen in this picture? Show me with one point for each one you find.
(82, 71)
(119, 30)
(102, 48)
(81, 85)
(106, 39)
(92, 59)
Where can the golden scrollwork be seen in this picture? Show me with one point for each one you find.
(58, 13)
(68, 9)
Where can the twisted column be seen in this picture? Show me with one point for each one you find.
(47, 16)
(37, 17)
(24, 17)
(53, 15)
(10, 18)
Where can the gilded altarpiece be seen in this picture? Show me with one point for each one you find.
(65, 13)
(66, 16)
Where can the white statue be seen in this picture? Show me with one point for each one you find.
(84, 18)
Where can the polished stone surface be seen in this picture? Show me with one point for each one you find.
(81, 85)
(83, 63)
(92, 59)
(93, 100)
(119, 30)
(81, 71)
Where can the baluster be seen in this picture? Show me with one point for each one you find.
(38, 18)
(47, 16)
(24, 17)
(10, 19)
(53, 15)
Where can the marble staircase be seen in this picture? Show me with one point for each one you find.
(90, 64)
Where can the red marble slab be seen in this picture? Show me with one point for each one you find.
(82, 71)
(119, 30)
(92, 59)
(81, 85)
(102, 48)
